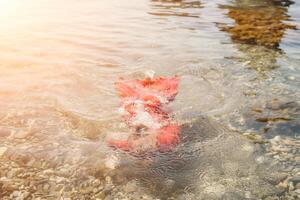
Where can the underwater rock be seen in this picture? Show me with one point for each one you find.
(257, 25)
(2, 151)
(257, 57)
(274, 117)
(295, 180)
(231, 196)
(208, 157)
(282, 2)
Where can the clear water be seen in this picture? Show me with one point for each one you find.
(59, 60)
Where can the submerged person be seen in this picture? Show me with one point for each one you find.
(144, 108)
(199, 156)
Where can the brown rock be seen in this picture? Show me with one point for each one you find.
(2, 151)
(263, 25)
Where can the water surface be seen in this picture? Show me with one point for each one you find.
(238, 62)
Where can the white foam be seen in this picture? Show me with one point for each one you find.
(111, 162)
(143, 117)
(150, 74)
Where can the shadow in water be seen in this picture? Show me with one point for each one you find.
(181, 8)
(258, 29)
(274, 117)
(210, 163)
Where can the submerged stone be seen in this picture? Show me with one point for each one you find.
(2, 151)
(258, 25)
(274, 118)
(210, 160)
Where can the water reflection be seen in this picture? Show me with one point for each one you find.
(259, 27)
(182, 8)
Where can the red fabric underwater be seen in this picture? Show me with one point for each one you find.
(144, 105)
(166, 87)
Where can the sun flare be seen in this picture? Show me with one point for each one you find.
(8, 7)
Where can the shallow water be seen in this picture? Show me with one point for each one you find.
(238, 62)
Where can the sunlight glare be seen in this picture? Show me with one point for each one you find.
(8, 7)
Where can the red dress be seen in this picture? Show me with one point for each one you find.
(144, 108)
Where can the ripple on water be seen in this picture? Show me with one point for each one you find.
(57, 100)
(210, 161)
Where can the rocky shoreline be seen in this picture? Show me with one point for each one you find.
(39, 180)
